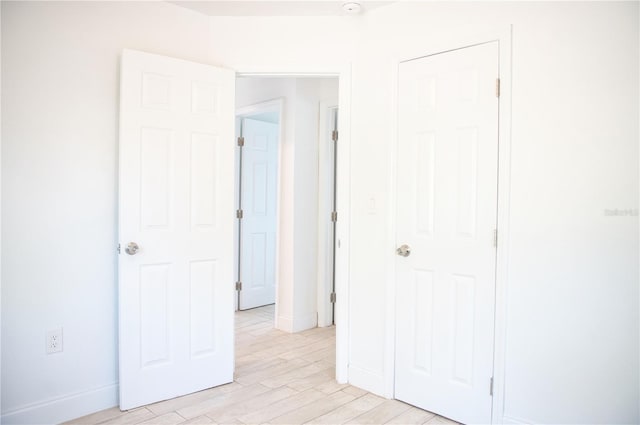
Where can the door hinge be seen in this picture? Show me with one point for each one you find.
(334, 216)
(491, 386)
(239, 214)
(238, 286)
(497, 87)
(332, 298)
(118, 248)
(495, 237)
(240, 141)
(334, 135)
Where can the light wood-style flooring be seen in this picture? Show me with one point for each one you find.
(280, 378)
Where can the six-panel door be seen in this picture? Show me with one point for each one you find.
(259, 198)
(446, 213)
(176, 204)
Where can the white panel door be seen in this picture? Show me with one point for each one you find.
(446, 214)
(176, 203)
(258, 203)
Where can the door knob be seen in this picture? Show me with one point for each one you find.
(132, 248)
(404, 250)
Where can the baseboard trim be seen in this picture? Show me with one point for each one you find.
(64, 408)
(303, 323)
(284, 324)
(297, 324)
(367, 380)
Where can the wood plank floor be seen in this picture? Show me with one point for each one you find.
(280, 378)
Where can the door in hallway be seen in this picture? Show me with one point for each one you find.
(258, 223)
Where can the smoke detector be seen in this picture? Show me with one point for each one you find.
(351, 7)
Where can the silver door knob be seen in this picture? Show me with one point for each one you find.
(132, 248)
(404, 250)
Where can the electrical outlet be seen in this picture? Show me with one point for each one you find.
(54, 341)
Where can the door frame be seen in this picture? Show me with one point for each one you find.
(325, 269)
(275, 105)
(503, 35)
(343, 195)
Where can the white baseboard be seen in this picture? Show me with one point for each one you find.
(367, 380)
(297, 324)
(304, 322)
(64, 408)
(284, 323)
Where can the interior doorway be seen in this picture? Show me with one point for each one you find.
(285, 195)
(177, 171)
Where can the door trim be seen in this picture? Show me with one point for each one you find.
(343, 194)
(503, 35)
(275, 105)
(325, 269)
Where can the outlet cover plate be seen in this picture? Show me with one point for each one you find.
(54, 341)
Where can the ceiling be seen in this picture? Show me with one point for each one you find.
(274, 8)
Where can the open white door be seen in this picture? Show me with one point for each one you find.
(258, 194)
(176, 205)
(446, 217)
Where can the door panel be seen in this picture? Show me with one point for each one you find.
(258, 202)
(176, 292)
(446, 212)
(202, 294)
(203, 181)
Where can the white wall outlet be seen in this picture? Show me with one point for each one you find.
(54, 341)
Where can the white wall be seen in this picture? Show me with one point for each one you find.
(309, 94)
(296, 307)
(572, 310)
(573, 272)
(285, 44)
(573, 282)
(60, 67)
(572, 288)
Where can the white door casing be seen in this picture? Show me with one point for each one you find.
(259, 213)
(176, 202)
(328, 122)
(446, 212)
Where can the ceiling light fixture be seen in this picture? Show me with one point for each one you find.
(351, 7)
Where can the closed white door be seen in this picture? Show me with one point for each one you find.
(258, 194)
(446, 215)
(176, 228)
